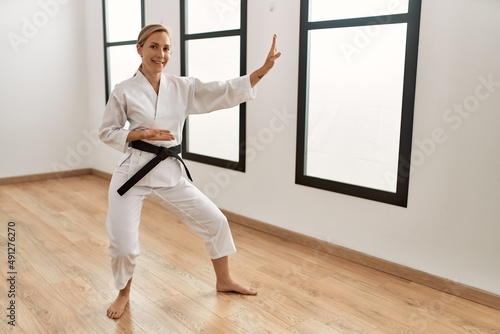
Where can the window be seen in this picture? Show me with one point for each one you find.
(123, 19)
(213, 47)
(357, 73)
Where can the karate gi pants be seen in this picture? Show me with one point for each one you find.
(200, 214)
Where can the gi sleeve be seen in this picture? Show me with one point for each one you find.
(209, 96)
(111, 130)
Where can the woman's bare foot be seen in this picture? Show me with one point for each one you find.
(224, 281)
(234, 287)
(116, 309)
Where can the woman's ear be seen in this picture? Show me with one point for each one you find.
(139, 49)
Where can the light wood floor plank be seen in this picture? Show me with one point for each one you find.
(313, 326)
(150, 317)
(251, 321)
(197, 318)
(64, 282)
(89, 304)
(48, 307)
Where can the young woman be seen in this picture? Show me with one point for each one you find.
(155, 105)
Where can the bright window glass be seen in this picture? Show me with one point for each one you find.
(354, 108)
(357, 79)
(215, 134)
(123, 20)
(123, 62)
(204, 16)
(213, 45)
(321, 10)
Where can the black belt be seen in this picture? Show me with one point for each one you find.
(161, 154)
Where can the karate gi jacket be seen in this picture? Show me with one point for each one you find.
(134, 100)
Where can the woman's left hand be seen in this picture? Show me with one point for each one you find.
(268, 64)
(272, 55)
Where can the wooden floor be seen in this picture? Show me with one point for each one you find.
(63, 281)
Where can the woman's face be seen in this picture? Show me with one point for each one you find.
(155, 52)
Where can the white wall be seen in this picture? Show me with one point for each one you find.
(44, 87)
(451, 226)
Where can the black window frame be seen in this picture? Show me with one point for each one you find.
(239, 165)
(412, 18)
(107, 44)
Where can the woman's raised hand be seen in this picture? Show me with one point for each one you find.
(273, 54)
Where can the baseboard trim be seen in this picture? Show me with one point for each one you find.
(45, 176)
(101, 174)
(429, 280)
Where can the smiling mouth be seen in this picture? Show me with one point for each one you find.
(158, 62)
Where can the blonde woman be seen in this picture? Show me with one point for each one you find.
(156, 105)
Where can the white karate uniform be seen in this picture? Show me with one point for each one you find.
(134, 100)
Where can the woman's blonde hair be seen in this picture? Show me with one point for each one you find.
(148, 31)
